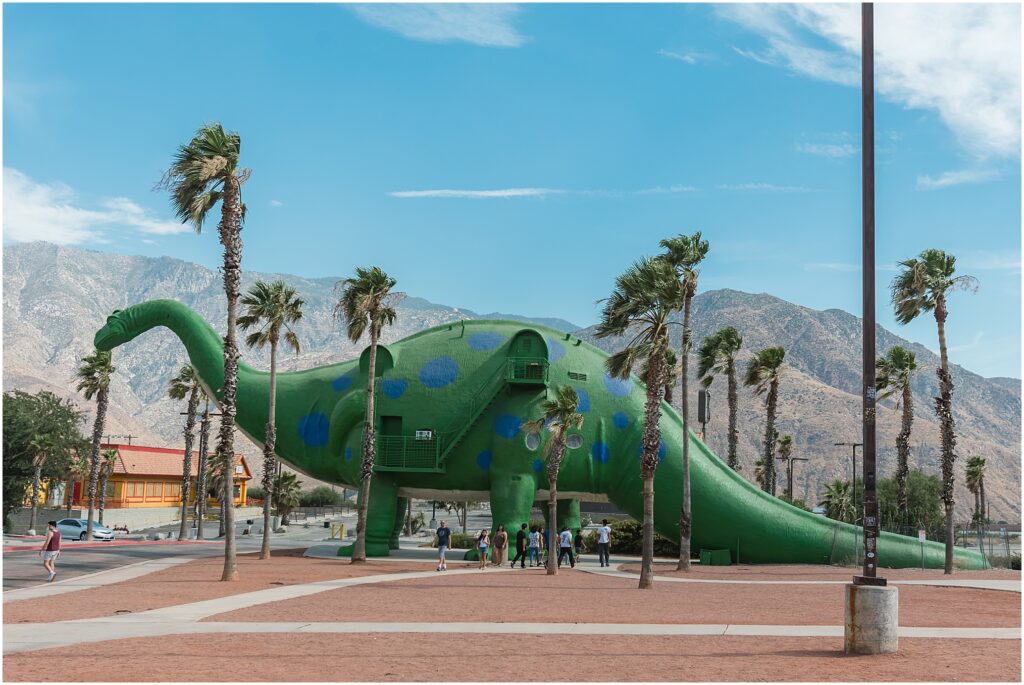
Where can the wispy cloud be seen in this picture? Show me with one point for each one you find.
(762, 187)
(831, 266)
(834, 150)
(990, 260)
(490, 25)
(688, 56)
(955, 178)
(659, 190)
(975, 341)
(276, 203)
(477, 194)
(961, 61)
(48, 211)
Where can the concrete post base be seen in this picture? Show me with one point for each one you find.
(872, 619)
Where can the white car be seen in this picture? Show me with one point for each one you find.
(75, 529)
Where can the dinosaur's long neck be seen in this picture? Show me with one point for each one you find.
(204, 345)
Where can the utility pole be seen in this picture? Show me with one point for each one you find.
(789, 473)
(853, 474)
(107, 438)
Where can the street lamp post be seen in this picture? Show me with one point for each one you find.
(853, 474)
(789, 474)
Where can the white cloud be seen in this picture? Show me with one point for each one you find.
(961, 61)
(835, 150)
(763, 187)
(831, 266)
(990, 260)
(975, 341)
(490, 25)
(690, 56)
(41, 211)
(953, 178)
(476, 194)
(676, 188)
(276, 203)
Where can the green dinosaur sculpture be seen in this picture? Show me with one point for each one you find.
(452, 403)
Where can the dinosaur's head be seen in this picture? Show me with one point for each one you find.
(114, 333)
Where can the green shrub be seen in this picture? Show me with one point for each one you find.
(1015, 561)
(458, 541)
(255, 492)
(628, 538)
(320, 496)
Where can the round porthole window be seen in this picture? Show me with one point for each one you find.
(532, 440)
(574, 441)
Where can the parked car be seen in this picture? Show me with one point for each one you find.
(75, 529)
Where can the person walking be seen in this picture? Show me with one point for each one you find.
(444, 536)
(50, 549)
(482, 543)
(604, 540)
(535, 542)
(500, 542)
(565, 547)
(521, 536)
(578, 543)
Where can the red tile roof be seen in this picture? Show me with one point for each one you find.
(140, 460)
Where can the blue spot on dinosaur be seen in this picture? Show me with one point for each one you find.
(485, 341)
(662, 450)
(313, 429)
(620, 419)
(394, 387)
(507, 426)
(343, 382)
(348, 454)
(584, 397)
(620, 387)
(556, 350)
(483, 460)
(439, 372)
(600, 452)
(537, 465)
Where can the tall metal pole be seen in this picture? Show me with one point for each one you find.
(870, 518)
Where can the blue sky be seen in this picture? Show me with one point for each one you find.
(517, 158)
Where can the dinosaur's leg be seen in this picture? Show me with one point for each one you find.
(568, 515)
(380, 517)
(512, 497)
(400, 511)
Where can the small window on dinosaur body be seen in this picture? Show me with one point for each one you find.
(577, 376)
(574, 441)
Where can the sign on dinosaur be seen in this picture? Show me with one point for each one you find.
(453, 402)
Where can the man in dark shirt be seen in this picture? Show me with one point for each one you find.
(520, 548)
(444, 536)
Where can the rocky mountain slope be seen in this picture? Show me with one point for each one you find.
(54, 299)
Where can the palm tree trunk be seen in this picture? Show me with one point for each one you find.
(647, 551)
(734, 434)
(186, 475)
(269, 441)
(103, 496)
(769, 438)
(553, 550)
(903, 454)
(359, 551)
(204, 441)
(685, 515)
(649, 458)
(37, 476)
(231, 239)
(944, 410)
(981, 492)
(70, 494)
(94, 460)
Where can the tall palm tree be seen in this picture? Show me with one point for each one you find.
(42, 447)
(643, 298)
(718, 355)
(367, 304)
(270, 309)
(922, 286)
(206, 171)
(108, 460)
(221, 486)
(838, 501)
(684, 253)
(760, 473)
(671, 374)
(763, 373)
(186, 384)
(976, 485)
(76, 469)
(286, 493)
(784, 445)
(559, 415)
(201, 473)
(94, 381)
(892, 378)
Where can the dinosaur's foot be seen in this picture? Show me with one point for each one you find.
(373, 549)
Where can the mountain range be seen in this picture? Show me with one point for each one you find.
(55, 298)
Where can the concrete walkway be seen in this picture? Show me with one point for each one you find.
(94, 580)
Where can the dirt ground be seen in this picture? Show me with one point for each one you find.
(808, 572)
(428, 658)
(194, 581)
(576, 596)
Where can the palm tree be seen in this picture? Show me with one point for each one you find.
(718, 355)
(270, 309)
(286, 494)
(892, 377)
(108, 461)
(205, 171)
(76, 469)
(221, 484)
(42, 447)
(763, 373)
(976, 484)
(759, 473)
(643, 298)
(559, 416)
(367, 304)
(94, 381)
(186, 384)
(922, 286)
(201, 492)
(684, 253)
(671, 374)
(784, 445)
(838, 502)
